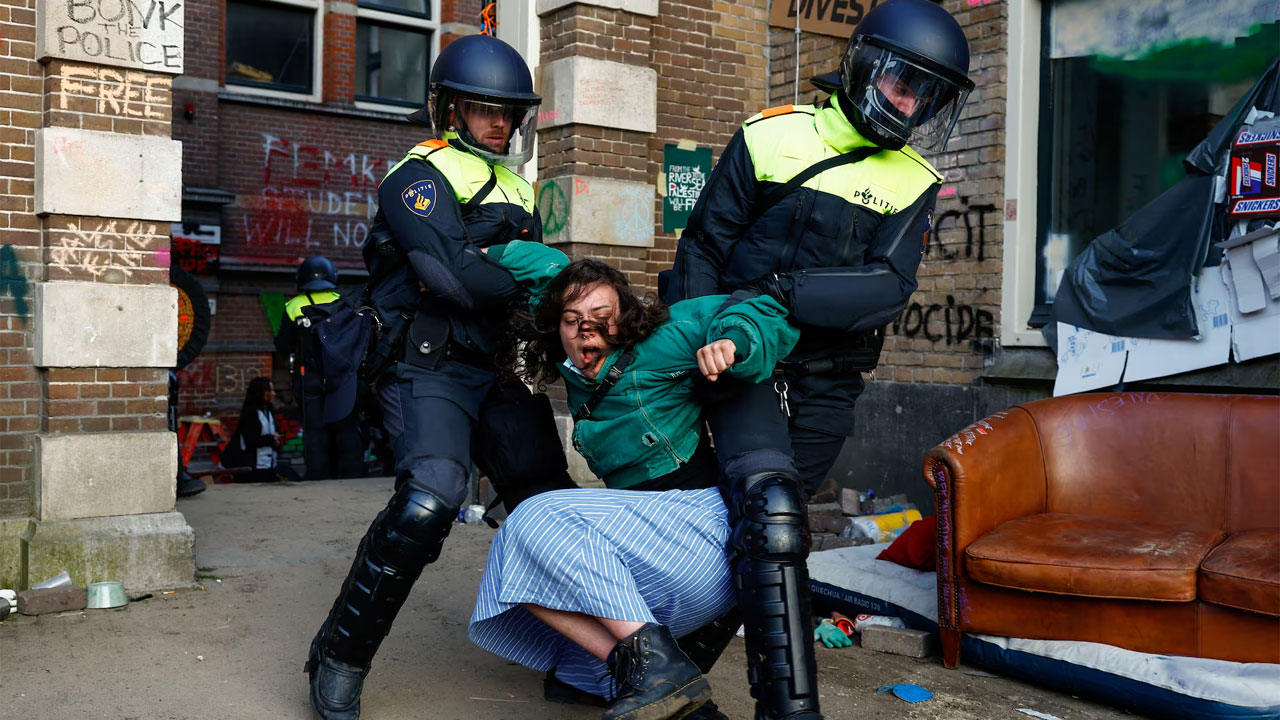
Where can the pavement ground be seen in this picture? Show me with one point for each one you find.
(271, 559)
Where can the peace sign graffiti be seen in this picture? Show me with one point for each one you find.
(553, 206)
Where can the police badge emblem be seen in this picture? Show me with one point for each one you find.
(420, 198)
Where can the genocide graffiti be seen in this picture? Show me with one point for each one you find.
(954, 323)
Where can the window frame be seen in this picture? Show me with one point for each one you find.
(1023, 158)
(407, 21)
(317, 59)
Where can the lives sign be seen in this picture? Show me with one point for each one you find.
(825, 17)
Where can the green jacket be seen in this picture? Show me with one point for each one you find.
(650, 423)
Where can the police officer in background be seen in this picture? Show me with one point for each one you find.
(329, 450)
(839, 247)
(438, 293)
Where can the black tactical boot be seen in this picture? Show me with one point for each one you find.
(403, 539)
(654, 679)
(335, 686)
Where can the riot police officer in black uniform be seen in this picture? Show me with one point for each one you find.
(435, 290)
(839, 247)
(329, 449)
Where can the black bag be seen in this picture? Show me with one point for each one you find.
(234, 454)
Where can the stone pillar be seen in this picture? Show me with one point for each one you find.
(599, 111)
(101, 179)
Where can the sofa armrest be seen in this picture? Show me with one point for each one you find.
(985, 475)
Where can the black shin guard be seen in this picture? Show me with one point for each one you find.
(771, 543)
(403, 539)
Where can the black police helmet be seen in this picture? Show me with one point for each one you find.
(484, 75)
(924, 30)
(317, 273)
(913, 46)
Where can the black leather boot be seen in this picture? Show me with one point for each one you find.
(403, 539)
(654, 679)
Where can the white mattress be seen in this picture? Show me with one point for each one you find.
(1247, 685)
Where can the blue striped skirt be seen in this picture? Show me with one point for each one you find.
(620, 554)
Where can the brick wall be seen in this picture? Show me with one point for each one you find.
(711, 77)
(340, 53)
(947, 332)
(107, 399)
(21, 388)
(205, 39)
(305, 182)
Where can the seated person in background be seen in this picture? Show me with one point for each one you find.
(598, 583)
(259, 443)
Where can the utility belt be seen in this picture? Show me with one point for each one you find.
(429, 342)
(861, 353)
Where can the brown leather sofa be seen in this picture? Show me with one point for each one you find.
(1141, 520)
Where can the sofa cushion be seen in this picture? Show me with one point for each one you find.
(1091, 556)
(1244, 572)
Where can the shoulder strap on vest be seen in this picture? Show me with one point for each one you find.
(777, 194)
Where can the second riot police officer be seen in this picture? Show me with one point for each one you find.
(826, 209)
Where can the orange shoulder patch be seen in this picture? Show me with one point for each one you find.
(433, 144)
(780, 110)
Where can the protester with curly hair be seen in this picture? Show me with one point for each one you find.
(598, 583)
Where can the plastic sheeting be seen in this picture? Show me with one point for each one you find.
(1135, 280)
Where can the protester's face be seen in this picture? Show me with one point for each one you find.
(587, 324)
(488, 123)
(897, 93)
(269, 394)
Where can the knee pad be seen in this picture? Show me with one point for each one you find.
(773, 525)
(413, 527)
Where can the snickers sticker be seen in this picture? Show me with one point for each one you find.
(1256, 207)
(420, 198)
(1267, 136)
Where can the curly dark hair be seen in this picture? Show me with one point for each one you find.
(535, 353)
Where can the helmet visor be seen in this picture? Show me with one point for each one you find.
(500, 132)
(903, 97)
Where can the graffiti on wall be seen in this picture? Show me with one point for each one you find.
(125, 94)
(135, 33)
(955, 323)
(12, 282)
(971, 218)
(311, 197)
(110, 249)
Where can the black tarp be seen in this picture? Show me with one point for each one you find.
(1135, 280)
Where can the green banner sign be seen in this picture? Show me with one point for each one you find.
(686, 172)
